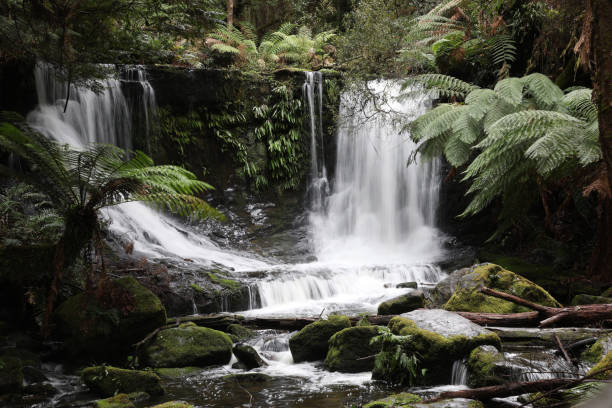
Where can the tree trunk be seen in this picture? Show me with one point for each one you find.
(601, 46)
(230, 13)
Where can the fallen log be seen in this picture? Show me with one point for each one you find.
(543, 316)
(544, 387)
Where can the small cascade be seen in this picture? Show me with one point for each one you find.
(319, 186)
(106, 117)
(143, 106)
(459, 373)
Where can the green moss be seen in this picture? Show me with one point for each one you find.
(11, 374)
(468, 297)
(173, 404)
(226, 283)
(607, 293)
(605, 362)
(118, 401)
(311, 343)
(402, 304)
(107, 380)
(350, 349)
(97, 331)
(189, 345)
(595, 352)
(482, 367)
(239, 332)
(584, 299)
(397, 400)
(196, 288)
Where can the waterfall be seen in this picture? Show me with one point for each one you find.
(380, 209)
(106, 117)
(376, 228)
(313, 96)
(459, 373)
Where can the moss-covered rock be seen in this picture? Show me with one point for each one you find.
(467, 296)
(436, 337)
(96, 331)
(583, 299)
(11, 374)
(406, 303)
(173, 404)
(407, 285)
(188, 345)
(597, 350)
(248, 356)
(311, 343)
(604, 363)
(350, 350)
(406, 400)
(117, 401)
(396, 400)
(486, 367)
(238, 332)
(107, 381)
(177, 372)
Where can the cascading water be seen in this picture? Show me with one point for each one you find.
(376, 228)
(105, 117)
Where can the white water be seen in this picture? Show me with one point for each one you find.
(459, 373)
(377, 226)
(105, 117)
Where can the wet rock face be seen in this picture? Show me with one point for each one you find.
(93, 330)
(248, 356)
(311, 343)
(188, 345)
(467, 297)
(406, 400)
(106, 381)
(350, 350)
(401, 304)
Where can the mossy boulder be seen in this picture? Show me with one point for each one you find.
(173, 404)
(486, 366)
(350, 350)
(406, 303)
(437, 337)
(122, 400)
(584, 299)
(11, 375)
(107, 381)
(97, 331)
(188, 345)
(406, 400)
(248, 356)
(468, 298)
(403, 399)
(238, 332)
(407, 285)
(602, 364)
(597, 350)
(312, 342)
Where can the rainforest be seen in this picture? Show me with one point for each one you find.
(308, 203)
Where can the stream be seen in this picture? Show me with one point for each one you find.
(369, 229)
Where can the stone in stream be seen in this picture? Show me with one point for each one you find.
(248, 378)
(407, 285)
(248, 356)
(487, 366)
(107, 381)
(188, 345)
(93, 330)
(122, 400)
(406, 303)
(583, 299)
(173, 404)
(407, 400)
(437, 337)
(238, 332)
(350, 350)
(467, 297)
(597, 350)
(312, 342)
(11, 375)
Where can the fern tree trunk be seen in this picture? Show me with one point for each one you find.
(601, 46)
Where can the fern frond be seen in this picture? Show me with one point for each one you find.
(511, 90)
(446, 85)
(546, 93)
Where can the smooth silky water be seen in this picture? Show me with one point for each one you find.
(371, 228)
